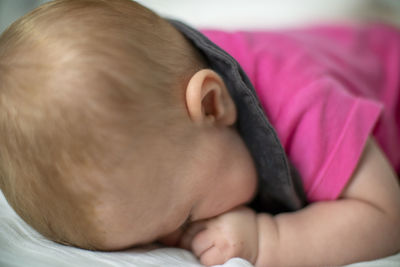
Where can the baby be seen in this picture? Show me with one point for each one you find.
(120, 128)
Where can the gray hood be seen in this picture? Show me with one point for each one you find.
(279, 187)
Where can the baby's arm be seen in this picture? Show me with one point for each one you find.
(363, 224)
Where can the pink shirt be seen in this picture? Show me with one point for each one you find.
(325, 90)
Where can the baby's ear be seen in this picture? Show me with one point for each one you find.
(208, 100)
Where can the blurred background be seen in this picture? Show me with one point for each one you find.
(245, 14)
(10, 10)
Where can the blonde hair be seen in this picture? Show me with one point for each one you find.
(76, 75)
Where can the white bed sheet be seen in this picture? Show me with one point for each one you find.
(21, 246)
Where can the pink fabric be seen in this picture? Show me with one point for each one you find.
(325, 90)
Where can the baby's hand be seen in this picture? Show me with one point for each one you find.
(216, 240)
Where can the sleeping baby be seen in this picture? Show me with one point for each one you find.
(120, 128)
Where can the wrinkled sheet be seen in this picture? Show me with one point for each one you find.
(21, 246)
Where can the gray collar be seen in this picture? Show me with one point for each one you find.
(279, 187)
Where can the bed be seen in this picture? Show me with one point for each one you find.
(21, 246)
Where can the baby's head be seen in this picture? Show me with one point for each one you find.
(113, 131)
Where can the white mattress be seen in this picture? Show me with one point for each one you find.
(21, 246)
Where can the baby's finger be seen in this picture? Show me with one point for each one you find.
(203, 241)
(212, 256)
(192, 230)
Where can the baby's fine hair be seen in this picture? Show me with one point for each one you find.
(80, 79)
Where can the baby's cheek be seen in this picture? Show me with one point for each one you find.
(252, 187)
(243, 192)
